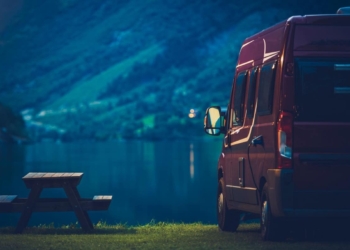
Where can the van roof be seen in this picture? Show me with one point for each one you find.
(266, 45)
(335, 19)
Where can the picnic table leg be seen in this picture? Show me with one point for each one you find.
(75, 190)
(73, 197)
(28, 209)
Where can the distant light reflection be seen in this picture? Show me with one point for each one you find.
(191, 161)
(192, 113)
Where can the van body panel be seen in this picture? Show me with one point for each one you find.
(322, 171)
(263, 47)
(244, 195)
(281, 190)
(321, 132)
(321, 137)
(245, 207)
(322, 200)
(286, 200)
(321, 38)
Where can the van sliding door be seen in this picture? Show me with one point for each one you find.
(239, 189)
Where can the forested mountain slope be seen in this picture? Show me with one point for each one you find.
(127, 69)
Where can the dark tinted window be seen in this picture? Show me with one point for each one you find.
(323, 89)
(266, 87)
(251, 93)
(239, 98)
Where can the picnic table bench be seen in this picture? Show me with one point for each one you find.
(36, 182)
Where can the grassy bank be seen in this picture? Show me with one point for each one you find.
(157, 236)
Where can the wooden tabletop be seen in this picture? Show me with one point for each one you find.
(33, 175)
(51, 180)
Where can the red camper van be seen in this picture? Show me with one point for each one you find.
(286, 147)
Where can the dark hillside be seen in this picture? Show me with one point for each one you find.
(127, 69)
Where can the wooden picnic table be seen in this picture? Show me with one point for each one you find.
(36, 182)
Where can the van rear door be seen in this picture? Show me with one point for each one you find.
(321, 131)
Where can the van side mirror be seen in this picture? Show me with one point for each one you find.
(214, 120)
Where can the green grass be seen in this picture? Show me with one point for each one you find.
(154, 236)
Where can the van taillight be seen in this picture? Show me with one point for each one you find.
(284, 139)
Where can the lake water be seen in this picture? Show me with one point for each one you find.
(161, 181)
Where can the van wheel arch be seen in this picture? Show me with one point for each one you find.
(228, 219)
(261, 186)
(272, 228)
(220, 174)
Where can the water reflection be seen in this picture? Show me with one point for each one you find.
(148, 180)
(191, 161)
(12, 165)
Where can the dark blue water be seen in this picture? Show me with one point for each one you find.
(161, 181)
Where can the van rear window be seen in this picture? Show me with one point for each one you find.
(323, 89)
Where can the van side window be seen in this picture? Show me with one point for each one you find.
(266, 88)
(251, 94)
(239, 95)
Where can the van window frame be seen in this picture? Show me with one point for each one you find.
(229, 112)
(269, 94)
(234, 109)
(253, 79)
